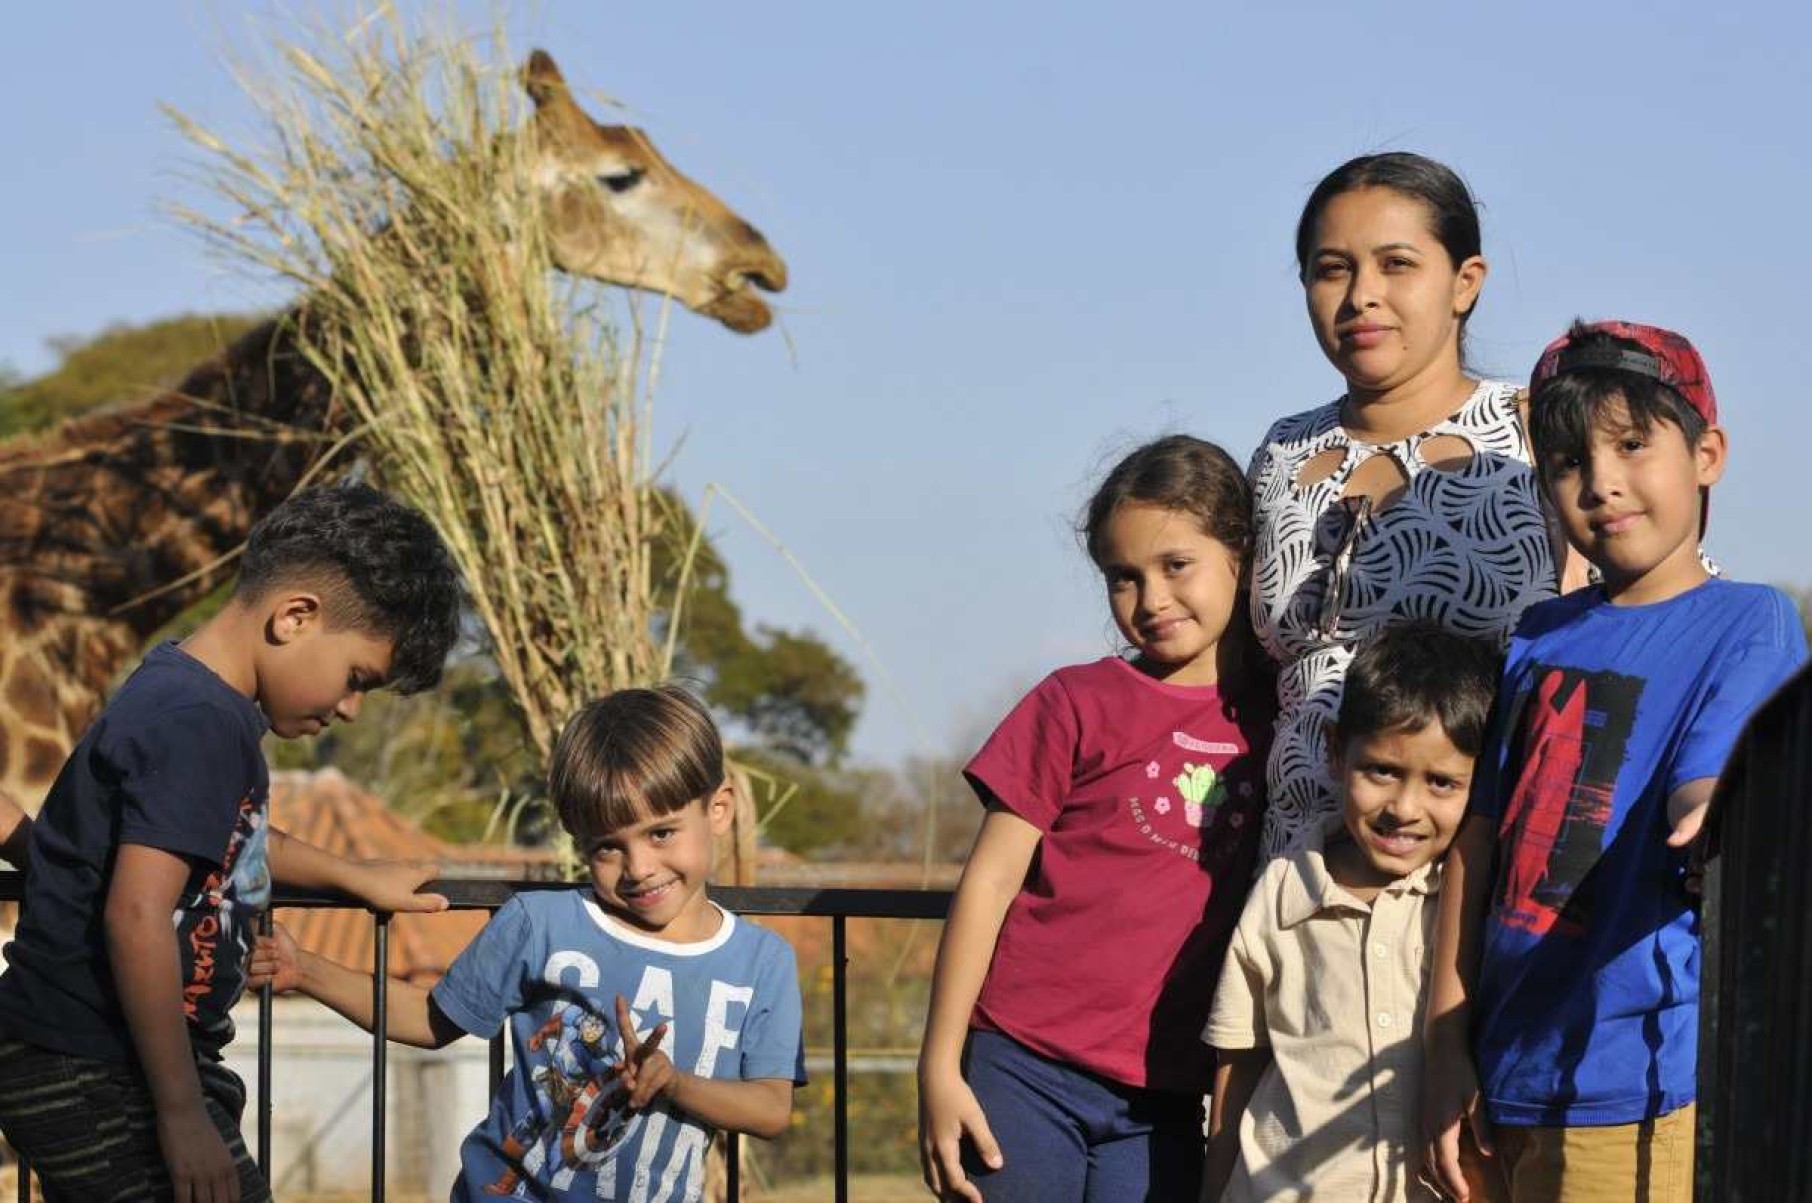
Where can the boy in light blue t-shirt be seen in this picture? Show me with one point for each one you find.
(1569, 943)
(642, 1015)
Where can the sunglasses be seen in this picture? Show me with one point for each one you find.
(1355, 519)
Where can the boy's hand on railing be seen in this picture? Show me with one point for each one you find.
(949, 1112)
(392, 885)
(1450, 1100)
(276, 962)
(196, 1157)
(645, 1072)
(1687, 807)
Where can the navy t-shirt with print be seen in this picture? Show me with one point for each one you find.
(1588, 985)
(172, 763)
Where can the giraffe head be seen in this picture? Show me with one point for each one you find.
(618, 211)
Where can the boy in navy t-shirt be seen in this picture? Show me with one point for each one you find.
(152, 853)
(1569, 941)
(642, 1015)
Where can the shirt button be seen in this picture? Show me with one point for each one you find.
(1384, 1019)
(1380, 951)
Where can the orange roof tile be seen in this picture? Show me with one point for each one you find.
(332, 813)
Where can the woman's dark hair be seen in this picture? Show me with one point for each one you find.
(1453, 214)
(379, 566)
(1416, 673)
(1567, 407)
(1176, 472)
(632, 755)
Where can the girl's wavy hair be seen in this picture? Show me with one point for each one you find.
(1177, 472)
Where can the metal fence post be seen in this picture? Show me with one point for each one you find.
(1755, 1021)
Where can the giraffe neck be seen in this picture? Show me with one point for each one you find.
(99, 518)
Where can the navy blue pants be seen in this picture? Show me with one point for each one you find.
(1067, 1135)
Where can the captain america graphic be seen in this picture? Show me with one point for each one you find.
(578, 1114)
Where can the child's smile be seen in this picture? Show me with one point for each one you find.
(1172, 588)
(1405, 794)
(652, 873)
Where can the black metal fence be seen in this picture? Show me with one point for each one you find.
(837, 906)
(1755, 1024)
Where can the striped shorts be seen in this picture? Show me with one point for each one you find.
(89, 1128)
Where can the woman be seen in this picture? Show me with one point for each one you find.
(1412, 495)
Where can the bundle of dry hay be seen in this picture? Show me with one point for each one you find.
(491, 393)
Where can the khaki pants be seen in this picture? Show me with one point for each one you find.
(1649, 1162)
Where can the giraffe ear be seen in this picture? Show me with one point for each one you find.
(543, 80)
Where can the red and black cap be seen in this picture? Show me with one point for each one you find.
(1662, 356)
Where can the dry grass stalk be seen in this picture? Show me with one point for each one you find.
(494, 395)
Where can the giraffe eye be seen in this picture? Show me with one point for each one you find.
(622, 181)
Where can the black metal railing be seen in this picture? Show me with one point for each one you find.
(836, 905)
(1755, 1022)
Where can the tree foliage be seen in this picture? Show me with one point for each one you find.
(121, 363)
(789, 691)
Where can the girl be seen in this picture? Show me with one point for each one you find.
(1064, 1045)
(642, 1015)
(1410, 496)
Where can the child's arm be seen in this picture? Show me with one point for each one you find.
(758, 1106)
(1236, 1075)
(1450, 1084)
(15, 830)
(385, 885)
(948, 1110)
(410, 1014)
(141, 951)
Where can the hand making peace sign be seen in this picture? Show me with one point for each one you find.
(646, 1072)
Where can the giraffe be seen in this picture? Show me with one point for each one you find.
(115, 522)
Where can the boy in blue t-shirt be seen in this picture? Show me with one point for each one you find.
(152, 853)
(642, 1015)
(1569, 939)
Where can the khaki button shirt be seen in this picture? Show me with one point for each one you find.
(1336, 988)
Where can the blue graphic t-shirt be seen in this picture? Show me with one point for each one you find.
(552, 963)
(172, 763)
(1588, 986)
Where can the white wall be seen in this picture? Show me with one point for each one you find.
(321, 1084)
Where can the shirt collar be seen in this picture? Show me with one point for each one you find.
(1307, 888)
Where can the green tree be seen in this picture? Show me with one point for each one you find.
(120, 363)
(788, 690)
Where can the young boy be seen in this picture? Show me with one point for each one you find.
(1315, 1023)
(608, 992)
(1569, 936)
(152, 855)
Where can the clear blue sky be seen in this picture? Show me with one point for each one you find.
(1025, 236)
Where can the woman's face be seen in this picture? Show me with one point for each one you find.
(1384, 297)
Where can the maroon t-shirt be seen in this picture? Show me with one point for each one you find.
(1150, 798)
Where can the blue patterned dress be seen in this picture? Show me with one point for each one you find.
(1467, 547)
